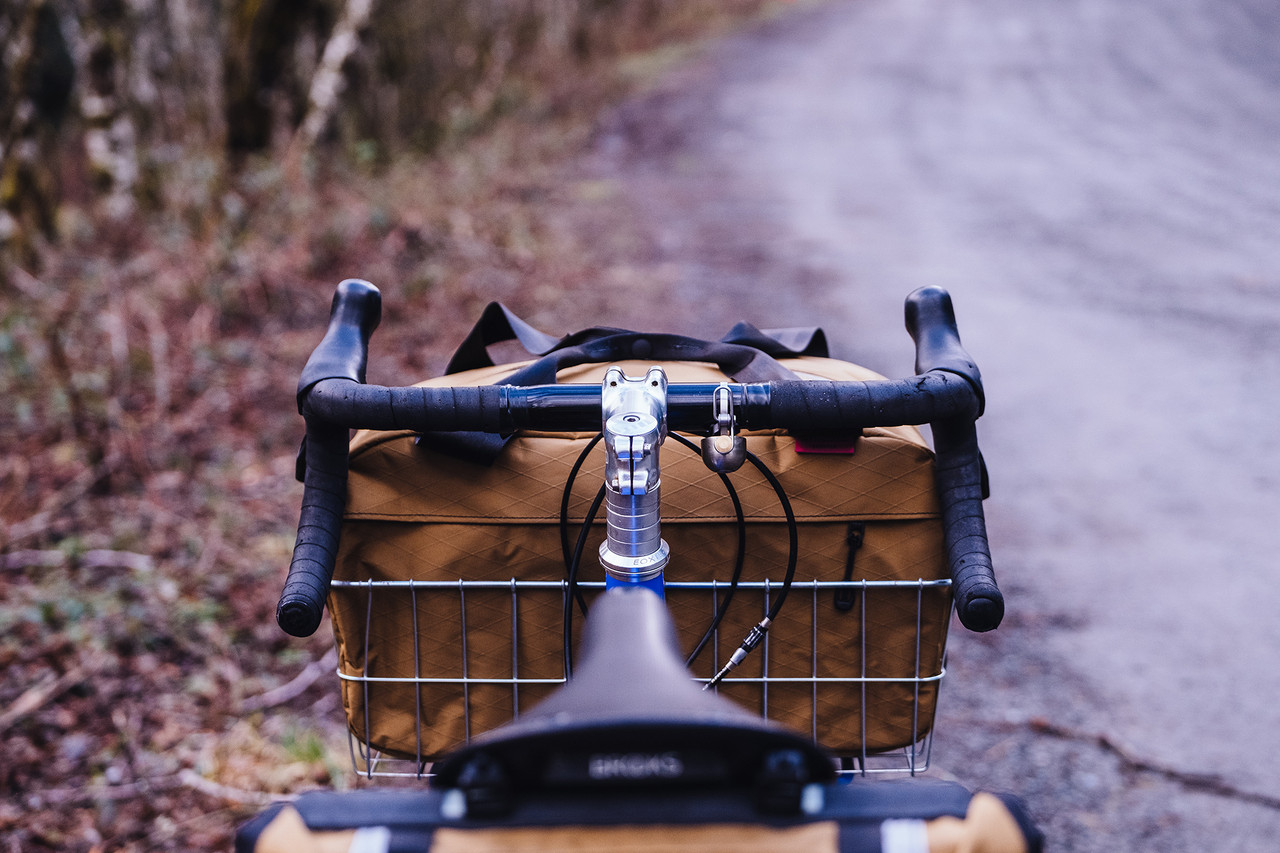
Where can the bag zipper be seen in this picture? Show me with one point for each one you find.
(846, 596)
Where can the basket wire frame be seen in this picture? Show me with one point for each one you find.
(912, 759)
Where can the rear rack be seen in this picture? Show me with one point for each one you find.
(774, 688)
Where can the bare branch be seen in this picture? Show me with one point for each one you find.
(39, 695)
(20, 560)
(99, 558)
(295, 688)
(195, 781)
(142, 787)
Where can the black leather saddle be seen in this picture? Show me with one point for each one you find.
(633, 717)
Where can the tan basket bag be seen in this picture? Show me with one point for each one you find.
(471, 643)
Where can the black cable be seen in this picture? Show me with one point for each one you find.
(573, 559)
(793, 534)
(574, 562)
(761, 628)
(723, 606)
(564, 513)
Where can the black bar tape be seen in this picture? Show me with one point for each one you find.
(342, 354)
(420, 409)
(478, 409)
(979, 602)
(323, 500)
(799, 406)
(820, 406)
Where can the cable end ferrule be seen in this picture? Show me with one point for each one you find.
(740, 654)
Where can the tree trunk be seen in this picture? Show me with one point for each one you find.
(111, 137)
(328, 82)
(35, 87)
(259, 67)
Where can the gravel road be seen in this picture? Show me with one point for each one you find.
(1098, 184)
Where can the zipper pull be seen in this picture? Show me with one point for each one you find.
(847, 595)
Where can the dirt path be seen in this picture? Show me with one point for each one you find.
(1098, 184)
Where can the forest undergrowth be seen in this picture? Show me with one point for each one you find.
(147, 491)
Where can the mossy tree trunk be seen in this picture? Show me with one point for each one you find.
(110, 132)
(35, 88)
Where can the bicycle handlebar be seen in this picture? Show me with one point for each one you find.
(343, 354)
(332, 397)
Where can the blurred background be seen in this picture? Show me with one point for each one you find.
(182, 184)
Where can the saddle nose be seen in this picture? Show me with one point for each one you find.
(633, 716)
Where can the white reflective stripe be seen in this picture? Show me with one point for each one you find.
(453, 805)
(812, 799)
(371, 839)
(903, 836)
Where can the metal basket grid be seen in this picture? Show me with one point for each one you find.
(370, 762)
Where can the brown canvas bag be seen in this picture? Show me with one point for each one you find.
(423, 669)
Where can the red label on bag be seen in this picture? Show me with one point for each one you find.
(847, 445)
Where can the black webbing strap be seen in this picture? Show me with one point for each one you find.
(746, 354)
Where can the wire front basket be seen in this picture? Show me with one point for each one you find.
(856, 665)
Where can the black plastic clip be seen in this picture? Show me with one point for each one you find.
(486, 786)
(781, 783)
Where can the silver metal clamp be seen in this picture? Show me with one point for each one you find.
(725, 451)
